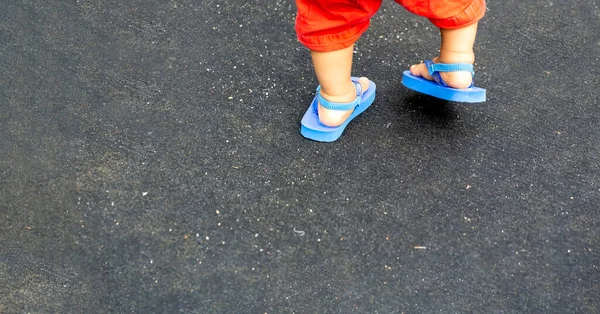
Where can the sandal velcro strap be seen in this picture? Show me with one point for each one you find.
(443, 67)
(341, 106)
(435, 69)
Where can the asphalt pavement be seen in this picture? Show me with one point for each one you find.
(151, 162)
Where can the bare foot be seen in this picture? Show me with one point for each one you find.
(459, 79)
(333, 118)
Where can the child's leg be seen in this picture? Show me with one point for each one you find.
(457, 20)
(329, 29)
(333, 72)
(456, 47)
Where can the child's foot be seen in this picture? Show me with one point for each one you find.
(334, 118)
(459, 79)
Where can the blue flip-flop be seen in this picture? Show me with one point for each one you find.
(439, 88)
(313, 129)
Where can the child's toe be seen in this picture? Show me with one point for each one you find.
(420, 70)
(364, 83)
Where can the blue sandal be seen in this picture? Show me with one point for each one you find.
(313, 129)
(439, 88)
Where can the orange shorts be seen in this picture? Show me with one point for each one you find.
(327, 25)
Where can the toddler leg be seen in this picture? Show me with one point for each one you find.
(457, 21)
(333, 72)
(456, 47)
(329, 29)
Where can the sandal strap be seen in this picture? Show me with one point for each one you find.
(443, 67)
(341, 106)
(435, 69)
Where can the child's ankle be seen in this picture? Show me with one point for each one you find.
(342, 94)
(461, 79)
(455, 57)
(339, 94)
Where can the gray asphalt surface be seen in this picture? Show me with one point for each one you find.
(152, 163)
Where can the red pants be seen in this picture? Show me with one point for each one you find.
(327, 25)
